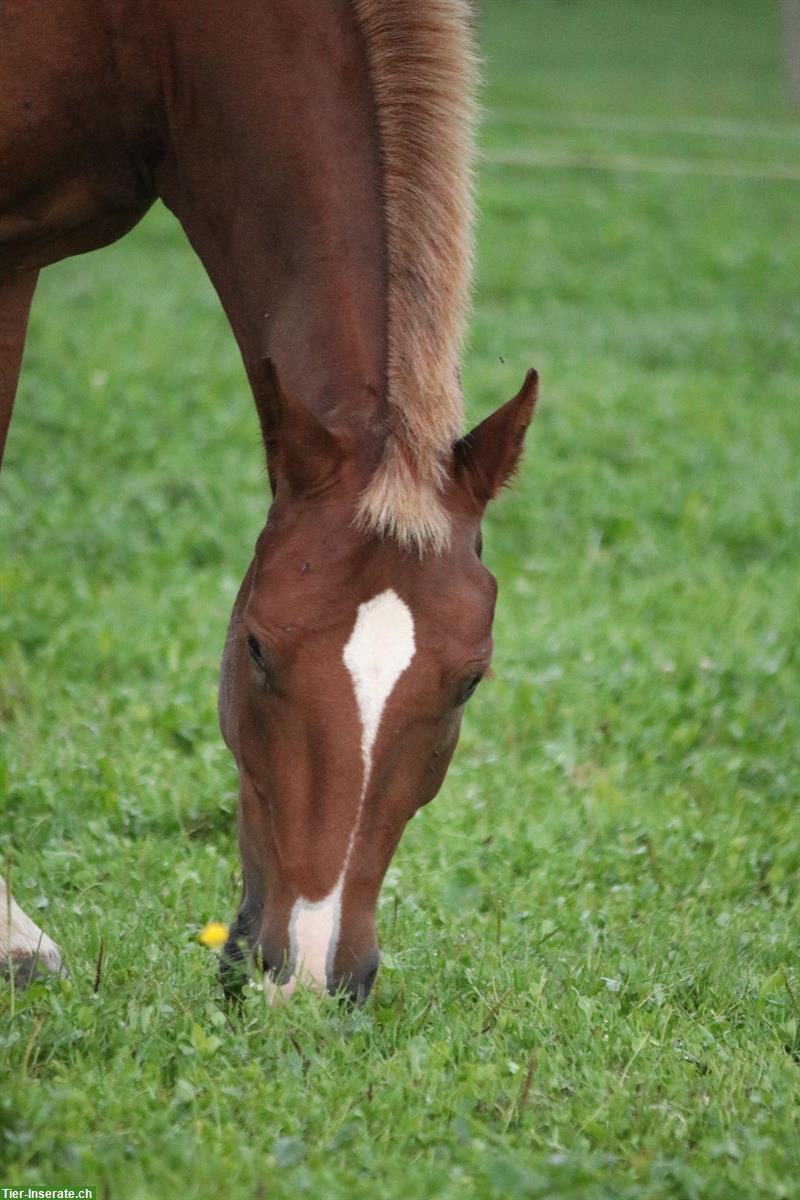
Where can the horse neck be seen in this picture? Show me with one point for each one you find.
(273, 170)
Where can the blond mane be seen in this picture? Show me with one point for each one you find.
(422, 70)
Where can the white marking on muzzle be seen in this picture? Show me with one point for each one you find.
(378, 651)
(314, 935)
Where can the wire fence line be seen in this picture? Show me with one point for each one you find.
(648, 164)
(724, 127)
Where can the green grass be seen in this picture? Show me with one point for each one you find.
(590, 985)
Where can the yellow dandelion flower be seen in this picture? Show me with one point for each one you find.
(214, 935)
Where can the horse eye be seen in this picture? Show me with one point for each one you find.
(468, 688)
(254, 650)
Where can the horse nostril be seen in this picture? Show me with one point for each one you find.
(278, 972)
(354, 988)
(366, 984)
(273, 963)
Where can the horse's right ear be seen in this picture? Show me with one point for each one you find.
(303, 455)
(487, 457)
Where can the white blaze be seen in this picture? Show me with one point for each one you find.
(380, 648)
(378, 651)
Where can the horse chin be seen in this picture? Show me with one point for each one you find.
(279, 994)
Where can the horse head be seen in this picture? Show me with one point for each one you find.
(349, 661)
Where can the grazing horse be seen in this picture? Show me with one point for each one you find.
(317, 153)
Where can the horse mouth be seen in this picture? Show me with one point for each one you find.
(351, 994)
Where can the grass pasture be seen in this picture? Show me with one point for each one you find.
(590, 986)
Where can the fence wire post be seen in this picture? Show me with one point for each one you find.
(791, 49)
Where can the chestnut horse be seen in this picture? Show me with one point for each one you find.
(318, 154)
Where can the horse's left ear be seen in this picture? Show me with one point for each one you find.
(486, 458)
(302, 452)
